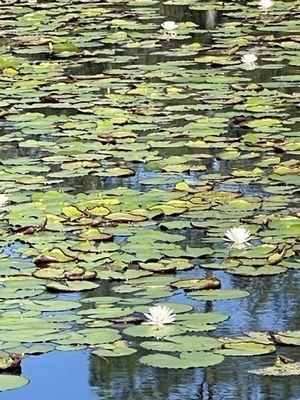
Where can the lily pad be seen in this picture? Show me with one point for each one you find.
(146, 330)
(283, 367)
(183, 343)
(8, 382)
(117, 349)
(219, 294)
(74, 286)
(245, 349)
(189, 285)
(194, 359)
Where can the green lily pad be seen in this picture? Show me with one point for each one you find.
(117, 349)
(261, 271)
(245, 349)
(146, 330)
(34, 349)
(219, 294)
(194, 359)
(289, 338)
(175, 307)
(49, 305)
(183, 343)
(189, 285)
(8, 382)
(282, 367)
(75, 286)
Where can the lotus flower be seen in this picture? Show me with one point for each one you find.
(160, 316)
(249, 59)
(265, 4)
(239, 236)
(3, 199)
(169, 25)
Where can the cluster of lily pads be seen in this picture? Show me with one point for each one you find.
(74, 243)
(132, 154)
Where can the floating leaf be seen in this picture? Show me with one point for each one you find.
(183, 343)
(194, 359)
(283, 367)
(8, 382)
(74, 286)
(117, 349)
(189, 285)
(219, 294)
(245, 349)
(145, 330)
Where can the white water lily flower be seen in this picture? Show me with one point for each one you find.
(265, 4)
(160, 316)
(249, 59)
(169, 25)
(3, 199)
(239, 236)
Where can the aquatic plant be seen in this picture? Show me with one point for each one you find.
(169, 25)
(3, 199)
(265, 4)
(249, 59)
(126, 158)
(160, 316)
(239, 236)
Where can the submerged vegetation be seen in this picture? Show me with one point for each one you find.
(144, 151)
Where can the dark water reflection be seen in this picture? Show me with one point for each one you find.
(79, 376)
(206, 19)
(229, 381)
(272, 305)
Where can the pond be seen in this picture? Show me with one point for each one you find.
(149, 200)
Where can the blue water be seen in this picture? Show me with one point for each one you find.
(66, 376)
